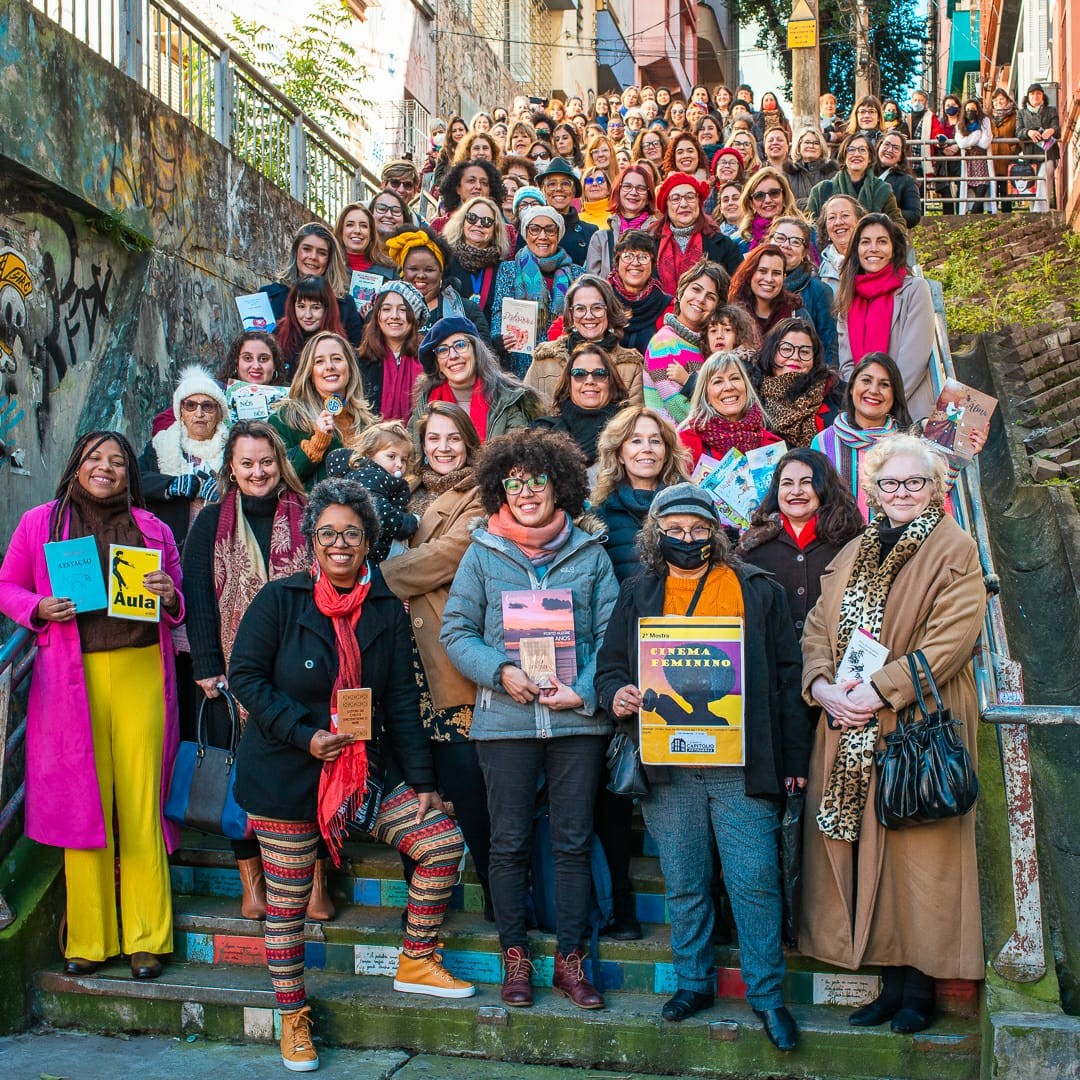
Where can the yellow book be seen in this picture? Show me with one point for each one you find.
(128, 597)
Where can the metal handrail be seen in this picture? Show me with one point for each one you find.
(930, 183)
(171, 53)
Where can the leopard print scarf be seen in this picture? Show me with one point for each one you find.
(793, 418)
(863, 605)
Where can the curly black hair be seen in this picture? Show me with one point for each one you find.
(533, 452)
(340, 492)
(448, 189)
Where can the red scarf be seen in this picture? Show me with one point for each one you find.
(344, 780)
(399, 377)
(673, 262)
(356, 261)
(478, 404)
(720, 435)
(808, 535)
(540, 543)
(870, 317)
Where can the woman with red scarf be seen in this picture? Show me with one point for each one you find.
(334, 741)
(685, 233)
(632, 203)
(389, 366)
(882, 307)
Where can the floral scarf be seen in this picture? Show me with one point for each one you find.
(863, 607)
(538, 544)
(794, 418)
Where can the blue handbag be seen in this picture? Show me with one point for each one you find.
(201, 792)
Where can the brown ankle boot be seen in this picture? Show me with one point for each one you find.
(517, 973)
(320, 908)
(570, 982)
(253, 901)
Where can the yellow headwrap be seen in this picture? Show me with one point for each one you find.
(398, 247)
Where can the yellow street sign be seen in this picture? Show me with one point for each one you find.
(802, 34)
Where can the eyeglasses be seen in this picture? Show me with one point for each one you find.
(631, 189)
(683, 197)
(461, 347)
(476, 219)
(551, 184)
(698, 533)
(651, 144)
(592, 181)
(548, 232)
(858, 151)
(515, 485)
(328, 537)
(787, 350)
(387, 210)
(580, 374)
(200, 406)
(783, 240)
(410, 183)
(587, 309)
(639, 258)
(913, 483)
(540, 157)
(772, 193)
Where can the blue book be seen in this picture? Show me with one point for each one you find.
(75, 572)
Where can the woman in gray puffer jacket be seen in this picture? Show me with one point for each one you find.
(532, 484)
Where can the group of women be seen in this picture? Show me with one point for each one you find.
(342, 563)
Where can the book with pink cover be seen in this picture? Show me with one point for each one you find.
(538, 630)
(960, 411)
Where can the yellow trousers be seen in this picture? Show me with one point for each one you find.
(127, 714)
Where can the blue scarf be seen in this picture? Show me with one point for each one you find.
(530, 272)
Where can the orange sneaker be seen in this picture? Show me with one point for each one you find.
(298, 1053)
(426, 975)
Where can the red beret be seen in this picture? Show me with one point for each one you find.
(727, 150)
(679, 179)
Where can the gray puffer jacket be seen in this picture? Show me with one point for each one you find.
(472, 630)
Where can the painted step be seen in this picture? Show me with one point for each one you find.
(366, 941)
(629, 1035)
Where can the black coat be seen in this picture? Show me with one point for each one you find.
(575, 241)
(906, 192)
(283, 667)
(778, 735)
(645, 316)
(278, 292)
(174, 510)
(723, 250)
(582, 425)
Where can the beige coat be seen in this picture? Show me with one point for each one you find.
(422, 576)
(551, 357)
(915, 891)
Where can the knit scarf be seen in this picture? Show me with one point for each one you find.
(844, 444)
(531, 273)
(861, 438)
(344, 780)
(1001, 115)
(870, 317)
(720, 435)
(473, 258)
(637, 222)
(609, 342)
(178, 454)
(645, 311)
(433, 484)
(795, 418)
(863, 607)
(478, 404)
(539, 544)
(239, 568)
(684, 331)
(676, 258)
(399, 377)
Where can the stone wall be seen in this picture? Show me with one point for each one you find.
(470, 75)
(125, 233)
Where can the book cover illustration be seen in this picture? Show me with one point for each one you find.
(75, 573)
(538, 630)
(363, 288)
(519, 321)
(128, 597)
(960, 411)
(252, 401)
(863, 657)
(732, 488)
(256, 312)
(690, 673)
(762, 464)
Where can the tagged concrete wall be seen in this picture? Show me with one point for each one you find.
(94, 322)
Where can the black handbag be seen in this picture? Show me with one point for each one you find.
(626, 777)
(925, 771)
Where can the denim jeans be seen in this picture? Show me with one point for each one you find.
(512, 768)
(679, 816)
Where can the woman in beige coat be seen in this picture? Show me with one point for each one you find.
(592, 315)
(907, 899)
(446, 502)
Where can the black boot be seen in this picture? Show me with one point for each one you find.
(917, 1006)
(887, 1004)
(624, 923)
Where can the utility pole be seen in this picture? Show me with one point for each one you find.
(863, 61)
(805, 63)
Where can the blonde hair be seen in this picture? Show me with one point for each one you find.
(610, 471)
(809, 132)
(884, 450)
(464, 148)
(612, 171)
(301, 408)
(700, 409)
(746, 200)
(376, 437)
(455, 227)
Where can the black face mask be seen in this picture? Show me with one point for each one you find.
(685, 554)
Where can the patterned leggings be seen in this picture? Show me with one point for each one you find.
(288, 854)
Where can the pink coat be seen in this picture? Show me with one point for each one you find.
(63, 801)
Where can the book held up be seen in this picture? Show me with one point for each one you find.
(519, 322)
(129, 598)
(75, 573)
(960, 412)
(256, 312)
(538, 632)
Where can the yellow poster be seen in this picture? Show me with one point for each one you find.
(128, 597)
(690, 674)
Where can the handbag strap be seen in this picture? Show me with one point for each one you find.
(920, 656)
(914, 670)
(697, 592)
(234, 724)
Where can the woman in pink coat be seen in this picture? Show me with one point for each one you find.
(101, 716)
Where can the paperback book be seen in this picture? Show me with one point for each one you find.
(538, 632)
(256, 312)
(75, 573)
(959, 413)
(129, 598)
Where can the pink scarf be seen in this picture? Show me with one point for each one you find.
(870, 316)
(539, 544)
(398, 379)
(759, 227)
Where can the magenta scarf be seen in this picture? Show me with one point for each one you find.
(398, 380)
(870, 316)
(759, 228)
(625, 223)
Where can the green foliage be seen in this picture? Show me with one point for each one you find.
(897, 35)
(117, 228)
(312, 64)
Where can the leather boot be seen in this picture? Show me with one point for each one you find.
(570, 981)
(517, 972)
(916, 1005)
(253, 901)
(320, 907)
(886, 1005)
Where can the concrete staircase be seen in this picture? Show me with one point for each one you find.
(217, 987)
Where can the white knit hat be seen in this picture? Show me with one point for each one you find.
(197, 380)
(531, 213)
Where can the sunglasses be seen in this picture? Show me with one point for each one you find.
(540, 157)
(596, 374)
(476, 219)
(199, 406)
(595, 181)
(772, 193)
